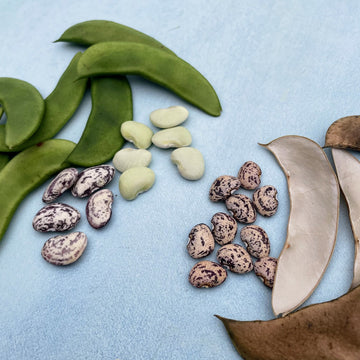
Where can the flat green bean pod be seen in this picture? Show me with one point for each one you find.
(27, 170)
(94, 31)
(60, 106)
(111, 106)
(1, 111)
(4, 159)
(24, 108)
(122, 58)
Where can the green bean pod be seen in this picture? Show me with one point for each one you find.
(60, 106)
(111, 106)
(24, 108)
(4, 159)
(122, 58)
(27, 170)
(94, 31)
(1, 111)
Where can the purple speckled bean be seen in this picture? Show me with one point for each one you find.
(242, 208)
(92, 179)
(207, 274)
(201, 241)
(223, 187)
(265, 269)
(62, 182)
(265, 200)
(256, 240)
(235, 258)
(56, 217)
(224, 228)
(98, 208)
(64, 249)
(250, 175)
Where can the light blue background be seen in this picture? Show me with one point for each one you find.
(279, 68)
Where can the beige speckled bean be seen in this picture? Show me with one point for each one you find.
(169, 117)
(137, 133)
(235, 258)
(201, 241)
(265, 269)
(207, 274)
(224, 228)
(265, 200)
(98, 208)
(250, 175)
(64, 249)
(174, 137)
(256, 240)
(242, 208)
(223, 186)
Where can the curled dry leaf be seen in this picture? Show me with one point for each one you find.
(344, 133)
(313, 219)
(330, 330)
(348, 172)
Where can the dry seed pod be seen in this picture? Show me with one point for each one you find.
(330, 330)
(344, 133)
(250, 175)
(235, 258)
(256, 240)
(242, 208)
(223, 187)
(348, 172)
(98, 208)
(224, 228)
(207, 274)
(201, 241)
(265, 200)
(64, 249)
(265, 269)
(313, 219)
(62, 182)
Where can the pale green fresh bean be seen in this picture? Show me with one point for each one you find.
(27, 170)
(135, 181)
(137, 133)
(127, 158)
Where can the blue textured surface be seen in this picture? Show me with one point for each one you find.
(279, 68)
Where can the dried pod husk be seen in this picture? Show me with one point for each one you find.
(312, 227)
(330, 330)
(348, 172)
(344, 133)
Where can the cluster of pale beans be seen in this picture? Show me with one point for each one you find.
(133, 163)
(244, 210)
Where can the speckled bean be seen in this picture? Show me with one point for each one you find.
(249, 175)
(224, 228)
(242, 208)
(56, 217)
(265, 200)
(256, 240)
(207, 274)
(98, 208)
(265, 269)
(235, 258)
(62, 182)
(223, 187)
(64, 249)
(92, 179)
(200, 242)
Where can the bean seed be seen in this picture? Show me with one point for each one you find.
(98, 208)
(223, 187)
(127, 158)
(224, 228)
(24, 108)
(235, 258)
(121, 58)
(242, 208)
(190, 162)
(207, 274)
(265, 200)
(169, 117)
(111, 102)
(135, 181)
(137, 133)
(175, 137)
(249, 175)
(56, 217)
(27, 170)
(265, 269)
(256, 240)
(92, 179)
(64, 249)
(62, 182)
(201, 241)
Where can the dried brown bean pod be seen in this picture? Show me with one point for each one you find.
(250, 175)
(224, 228)
(242, 208)
(207, 274)
(62, 182)
(98, 208)
(223, 186)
